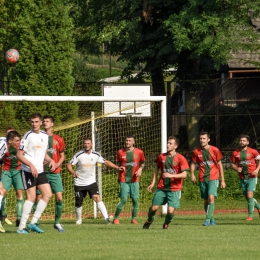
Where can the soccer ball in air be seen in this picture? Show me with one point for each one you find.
(12, 55)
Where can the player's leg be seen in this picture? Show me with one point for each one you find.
(3, 214)
(159, 198)
(250, 189)
(79, 197)
(134, 194)
(123, 195)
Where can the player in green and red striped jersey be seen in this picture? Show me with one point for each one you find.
(11, 168)
(132, 159)
(208, 158)
(174, 167)
(243, 160)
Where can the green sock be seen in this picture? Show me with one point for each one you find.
(151, 215)
(135, 208)
(206, 207)
(35, 205)
(58, 211)
(3, 204)
(256, 204)
(250, 207)
(120, 206)
(168, 218)
(19, 208)
(210, 211)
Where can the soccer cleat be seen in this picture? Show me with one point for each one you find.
(134, 222)
(147, 224)
(59, 227)
(24, 231)
(35, 228)
(8, 222)
(116, 221)
(2, 219)
(2, 229)
(213, 223)
(259, 212)
(78, 222)
(249, 218)
(165, 226)
(17, 222)
(206, 223)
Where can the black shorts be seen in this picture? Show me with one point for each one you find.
(29, 181)
(81, 191)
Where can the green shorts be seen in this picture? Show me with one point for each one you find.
(55, 182)
(129, 187)
(209, 188)
(12, 177)
(171, 197)
(248, 185)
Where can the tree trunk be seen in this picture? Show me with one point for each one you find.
(158, 82)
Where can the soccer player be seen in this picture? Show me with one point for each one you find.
(19, 193)
(32, 153)
(85, 178)
(11, 168)
(208, 158)
(173, 167)
(56, 152)
(132, 160)
(243, 161)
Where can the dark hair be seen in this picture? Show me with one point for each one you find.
(36, 115)
(205, 133)
(177, 141)
(49, 117)
(87, 139)
(9, 128)
(130, 136)
(245, 136)
(11, 135)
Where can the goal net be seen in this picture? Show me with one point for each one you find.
(79, 117)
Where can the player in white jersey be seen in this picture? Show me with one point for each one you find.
(85, 180)
(32, 153)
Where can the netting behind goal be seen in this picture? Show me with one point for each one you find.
(75, 120)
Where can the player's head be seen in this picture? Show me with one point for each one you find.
(36, 121)
(172, 144)
(48, 122)
(9, 129)
(243, 141)
(87, 143)
(129, 141)
(204, 139)
(13, 138)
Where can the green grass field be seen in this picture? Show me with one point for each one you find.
(232, 238)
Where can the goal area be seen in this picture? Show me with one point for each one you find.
(77, 117)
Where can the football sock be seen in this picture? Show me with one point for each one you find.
(102, 208)
(256, 204)
(210, 211)
(78, 212)
(58, 211)
(250, 207)
(19, 208)
(168, 218)
(2, 205)
(206, 207)
(27, 207)
(39, 210)
(134, 208)
(151, 215)
(35, 205)
(120, 206)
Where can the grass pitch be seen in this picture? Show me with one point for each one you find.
(232, 238)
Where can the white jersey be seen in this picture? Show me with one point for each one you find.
(3, 147)
(85, 167)
(34, 146)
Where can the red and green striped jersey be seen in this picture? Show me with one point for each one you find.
(131, 160)
(56, 145)
(10, 160)
(245, 159)
(172, 164)
(207, 160)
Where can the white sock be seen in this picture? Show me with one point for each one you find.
(39, 210)
(78, 212)
(102, 208)
(1, 198)
(27, 207)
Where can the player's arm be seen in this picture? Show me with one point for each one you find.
(61, 160)
(113, 166)
(139, 171)
(20, 156)
(181, 175)
(255, 172)
(48, 159)
(192, 172)
(70, 169)
(221, 171)
(155, 174)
